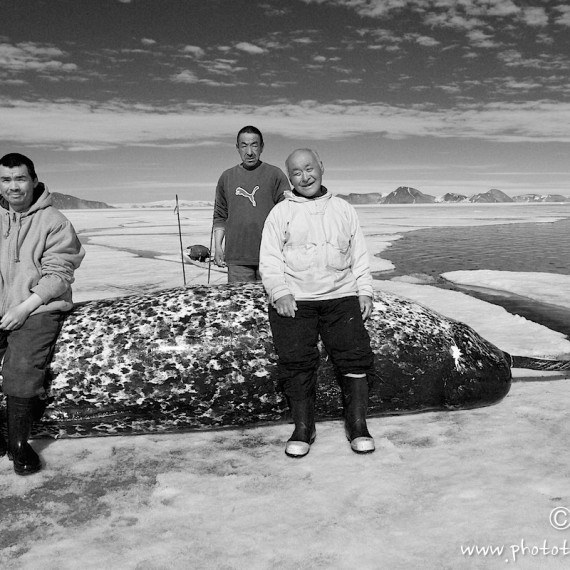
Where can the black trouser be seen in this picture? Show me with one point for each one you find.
(27, 353)
(339, 324)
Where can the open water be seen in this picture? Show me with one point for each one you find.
(520, 247)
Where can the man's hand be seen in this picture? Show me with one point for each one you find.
(219, 249)
(16, 316)
(366, 306)
(220, 258)
(285, 306)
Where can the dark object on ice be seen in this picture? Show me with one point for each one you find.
(202, 358)
(198, 252)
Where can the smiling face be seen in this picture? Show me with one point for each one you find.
(249, 147)
(305, 172)
(17, 187)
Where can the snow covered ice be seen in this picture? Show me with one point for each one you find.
(438, 484)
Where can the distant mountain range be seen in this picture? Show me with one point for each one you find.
(169, 204)
(408, 195)
(67, 202)
(543, 198)
(402, 195)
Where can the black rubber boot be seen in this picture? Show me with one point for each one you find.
(39, 406)
(20, 414)
(303, 413)
(355, 400)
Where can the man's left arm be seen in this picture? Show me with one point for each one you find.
(62, 256)
(361, 268)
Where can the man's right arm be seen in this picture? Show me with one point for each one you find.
(219, 252)
(219, 223)
(16, 316)
(272, 264)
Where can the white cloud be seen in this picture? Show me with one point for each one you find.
(351, 81)
(38, 58)
(71, 125)
(273, 11)
(514, 58)
(372, 8)
(460, 14)
(148, 41)
(523, 86)
(535, 16)
(194, 50)
(564, 18)
(450, 19)
(494, 7)
(452, 88)
(185, 76)
(480, 39)
(383, 8)
(223, 66)
(249, 48)
(426, 41)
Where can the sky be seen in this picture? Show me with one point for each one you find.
(141, 100)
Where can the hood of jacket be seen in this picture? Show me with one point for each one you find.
(294, 197)
(41, 199)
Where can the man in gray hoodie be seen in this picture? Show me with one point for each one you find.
(39, 253)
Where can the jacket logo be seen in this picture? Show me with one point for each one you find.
(251, 197)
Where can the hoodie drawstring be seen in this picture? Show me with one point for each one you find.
(17, 249)
(9, 218)
(14, 219)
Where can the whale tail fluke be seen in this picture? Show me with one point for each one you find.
(539, 364)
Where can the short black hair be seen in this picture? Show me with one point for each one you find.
(250, 129)
(14, 159)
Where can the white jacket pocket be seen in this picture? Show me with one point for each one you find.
(338, 255)
(299, 257)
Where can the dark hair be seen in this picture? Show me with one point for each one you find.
(16, 159)
(250, 129)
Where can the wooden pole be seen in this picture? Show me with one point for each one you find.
(177, 209)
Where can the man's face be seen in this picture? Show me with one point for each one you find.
(305, 173)
(17, 187)
(250, 148)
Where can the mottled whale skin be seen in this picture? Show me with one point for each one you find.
(202, 358)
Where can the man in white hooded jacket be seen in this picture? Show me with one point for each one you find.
(314, 267)
(39, 253)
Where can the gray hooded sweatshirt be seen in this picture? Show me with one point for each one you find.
(39, 253)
